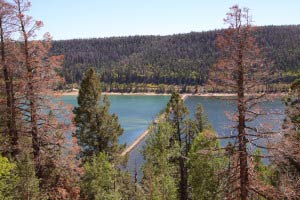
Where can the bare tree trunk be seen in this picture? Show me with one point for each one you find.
(242, 141)
(183, 180)
(32, 103)
(182, 168)
(30, 93)
(10, 98)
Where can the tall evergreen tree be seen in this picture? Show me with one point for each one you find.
(159, 181)
(176, 112)
(205, 160)
(97, 130)
(98, 181)
(28, 183)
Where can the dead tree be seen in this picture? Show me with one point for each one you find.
(32, 114)
(287, 152)
(39, 77)
(10, 131)
(240, 69)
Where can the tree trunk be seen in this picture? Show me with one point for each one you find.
(32, 100)
(182, 167)
(183, 180)
(244, 181)
(10, 99)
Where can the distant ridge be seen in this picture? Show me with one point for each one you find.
(175, 59)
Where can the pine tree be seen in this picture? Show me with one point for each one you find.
(97, 130)
(39, 75)
(158, 181)
(32, 132)
(206, 160)
(176, 112)
(98, 180)
(201, 119)
(7, 18)
(240, 68)
(28, 184)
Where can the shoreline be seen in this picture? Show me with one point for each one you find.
(75, 93)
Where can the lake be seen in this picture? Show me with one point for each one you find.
(137, 112)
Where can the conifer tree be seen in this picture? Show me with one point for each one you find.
(176, 112)
(7, 18)
(240, 68)
(263, 171)
(206, 160)
(28, 183)
(201, 119)
(158, 181)
(31, 132)
(98, 180)
(102, 180)
(38, 75)
(97, 130)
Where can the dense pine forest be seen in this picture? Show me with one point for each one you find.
(182, 59)
(52, 151)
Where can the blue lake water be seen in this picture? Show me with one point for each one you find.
(134, 112)
(215, 109)
(137, 112)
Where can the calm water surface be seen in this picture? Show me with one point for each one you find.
(137, 112)
(134, 112)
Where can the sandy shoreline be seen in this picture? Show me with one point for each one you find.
(75, 93)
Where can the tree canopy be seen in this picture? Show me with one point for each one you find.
(175, 59)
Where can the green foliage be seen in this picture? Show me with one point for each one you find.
(183, 155)
(99, 179)
(182, 59)
(201, 119)
(28, 183)
(158, 180)
(176, 110)
(176, 113)
(8, 179)
(103, 181)
(125, 186)
(97, 130)
(18, 180)
(205, 162)
(264, 172)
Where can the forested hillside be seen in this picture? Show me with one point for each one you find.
(176, 59)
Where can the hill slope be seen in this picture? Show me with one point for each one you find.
(174, 59)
